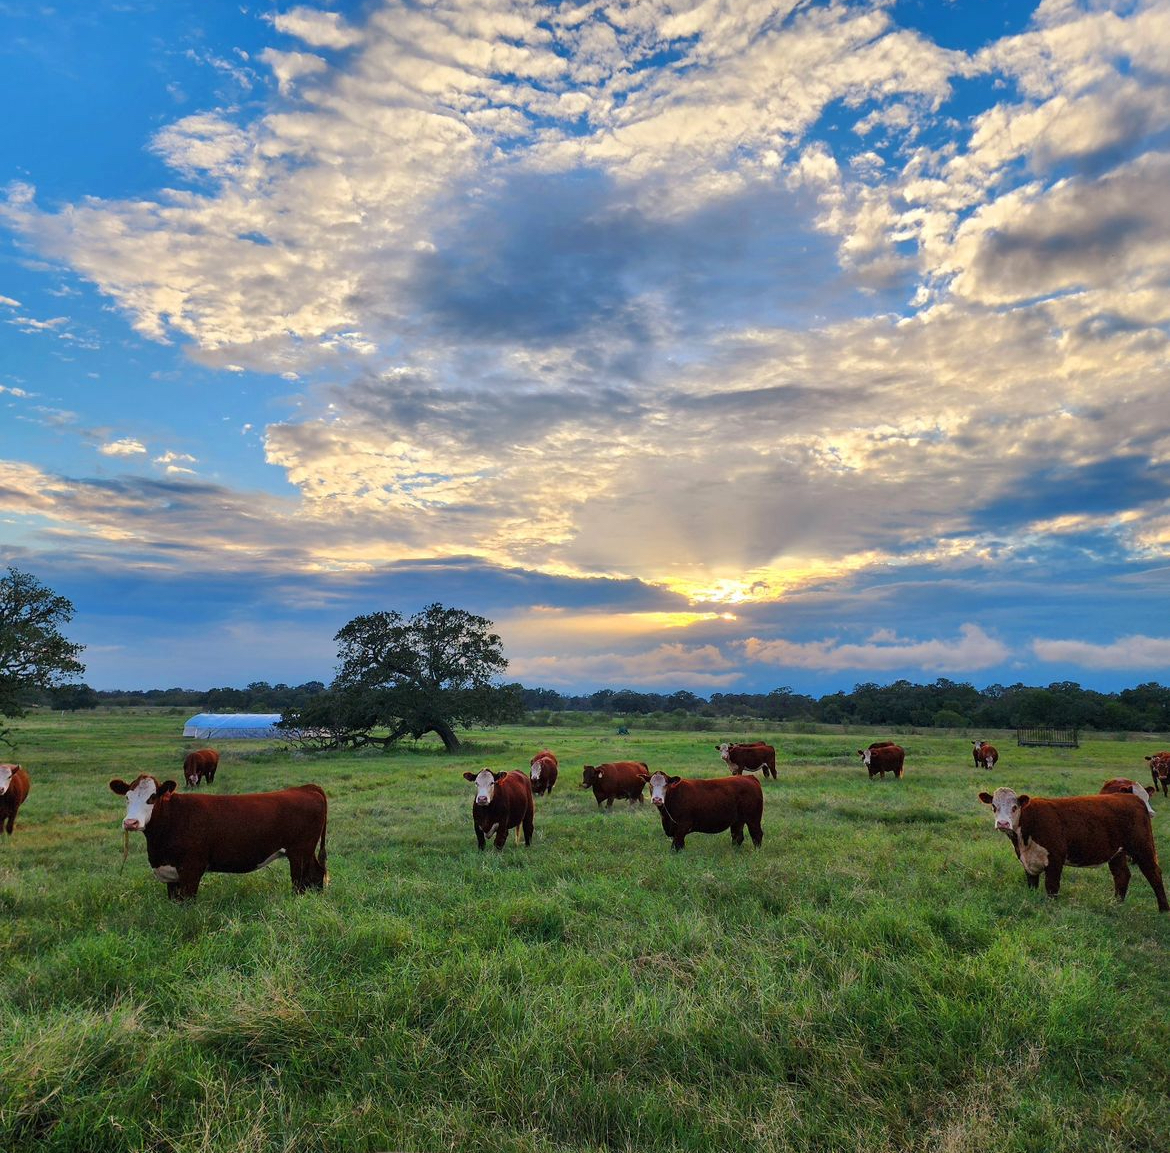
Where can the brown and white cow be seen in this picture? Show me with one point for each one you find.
(708, 806)
(616, 779)
(200, 764)
(14, 786)
(985, 755)
(1051, 832)
(1125, 785)
(749, 757)
(188, 835)
(883, 757)
(542, 772)
(503, 801)
(1160, 772)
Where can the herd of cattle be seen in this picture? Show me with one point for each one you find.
(189, 834)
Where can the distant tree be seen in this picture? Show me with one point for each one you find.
(428, 674)
(34, 656)
(71, 698)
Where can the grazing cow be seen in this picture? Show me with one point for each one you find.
(616, 779)
(188, 835)
(503, 801)
(1050, 832)
(1160, 771)
(1125, 785)
(749, 758)
(199, 764)
(883, 757)
(708, 806)
(14, 787)
(985, 755)
(542, 771)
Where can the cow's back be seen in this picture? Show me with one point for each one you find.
(713, 805)
(1088, 830)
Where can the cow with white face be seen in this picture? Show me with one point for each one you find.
(503, 801)
(542, 772)
(14, 785)
(708, 806)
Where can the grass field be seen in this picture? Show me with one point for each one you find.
(876, 977)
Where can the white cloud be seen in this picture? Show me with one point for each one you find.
(1131, 652)
(127, 446)
(660, 667)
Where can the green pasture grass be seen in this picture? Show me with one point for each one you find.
(876, 977)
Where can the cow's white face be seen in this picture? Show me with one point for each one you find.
(725, 752)
(6, 772)
(485, 787)
(1005, 807)
(866, 756)
(536, 767)
(139, 808)
(658, 783)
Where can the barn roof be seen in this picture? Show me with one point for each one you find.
(226, 726)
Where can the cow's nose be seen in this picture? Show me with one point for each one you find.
(130, 823)
(481, 800)
(1003, 824)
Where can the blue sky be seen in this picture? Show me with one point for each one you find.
(717, 346)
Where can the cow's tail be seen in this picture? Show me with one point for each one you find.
(322, 856)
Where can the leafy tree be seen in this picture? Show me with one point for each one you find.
(70, 698)
(428, 674)
(34, 656)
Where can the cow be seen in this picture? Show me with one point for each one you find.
(198, 765)
(749, 758)
(1125, 785)
(14, 786)
(708, 806)
(503, 801)
(1160, 772)
(1050, 832)
(188, 834)
(883, 757)
(616, 779)
(985, 755)
(542, 771)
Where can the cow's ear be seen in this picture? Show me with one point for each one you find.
(1023, 799)
(500, 776)
(469, 777)
(163, 789)
(120, 787)
(597, 774)
(673, 780)
(985, 798)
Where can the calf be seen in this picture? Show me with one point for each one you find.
(749, 758)
(883, 757)
(542, 771)
(503, 801)
(1050, 832)
(199, 764)
(188, 835)
(1125, 785)
(1160, 771)
(616, 779)
(985, 755)
(708, 806)
(14, 785)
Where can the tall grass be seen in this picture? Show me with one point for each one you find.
(876, 977)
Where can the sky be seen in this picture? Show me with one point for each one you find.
(720, 346)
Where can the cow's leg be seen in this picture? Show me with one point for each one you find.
(680, 837)
(1033, 880)
(757, 833)
(11, 822)
(609, 802)
(480, 837)
(737, 833)
(502, 831)
(528, 825)
(173, 890)
(1121, 874)
(189, 878)
(1052, 873)
(1148, 863)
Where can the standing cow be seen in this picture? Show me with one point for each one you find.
(188, 835)
(1050, 832)
(198, 765)
(883, 757)
(616, 779)
(503, 801)
(985, 755)
(14, 786)
(749, 758)
(1125, 785)
(1160, 772)
(708, 806)
(542, 772)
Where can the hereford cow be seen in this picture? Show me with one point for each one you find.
(749, 758)
(14, 785)
(199, 764)
(1160, 771)
(542, 771)
(708, 806)
(1050, 832)
(188, 835)
(616, 779)
(503, 801)
(1125, 785)
(883, 757)
(985, 755)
